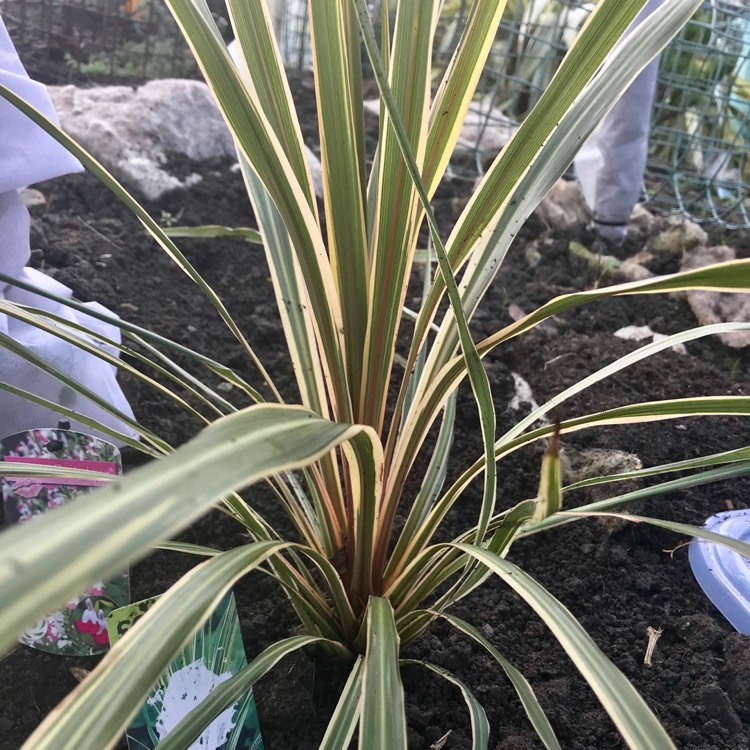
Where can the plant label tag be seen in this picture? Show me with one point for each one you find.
(215, 654)
(80, 629)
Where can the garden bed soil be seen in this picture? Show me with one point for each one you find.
(617, 579)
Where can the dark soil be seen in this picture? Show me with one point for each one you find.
(617, 579)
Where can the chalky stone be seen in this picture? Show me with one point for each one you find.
(724, 575)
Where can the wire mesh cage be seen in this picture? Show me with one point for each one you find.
(102, 41)
(701, 119)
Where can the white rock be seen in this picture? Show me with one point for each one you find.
(643, 333)
(485, 129)
(641, 220)
(630, 270)
(634, 333)
(564, 206)
(134, 131)
(34, 200)
(593, 462)
(684, 235)
(717, 307)
(679, 348)
(578, 465)
(523, 394)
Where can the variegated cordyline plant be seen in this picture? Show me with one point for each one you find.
(360, 589)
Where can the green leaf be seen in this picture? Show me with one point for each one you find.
(346, 715)
(477, 376)
(456, 90)
(675, 485)
(617, 366)
(259, 62)
(35, 360)
(541, 151)
(41, 564)
(633, 718)
(63, 331)
(631, 414)
(20, 469)
(215, 230)
(549, 496)
(338, 84)
(73, 414)
(143, 337)
(405, 93)
(733, 276)
(525, 692)
(383, 720)
(432, 483)
(725, 457)
(364, 456)
(736, 545)
(151, 226)
(480, 728)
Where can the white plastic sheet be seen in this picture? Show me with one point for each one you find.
(29, 155)
(611, 163)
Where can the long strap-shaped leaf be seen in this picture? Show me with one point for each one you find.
(495, 201)
(525, 692)
(84, 343)
(72, 414)
(480, 727)
(724, 457)
(41, 564)
(383, 719)
(262, 68)
(293, 304)
(394, 221)
(736, 545)
(458, 86)
(139, 334)
(432, 484)
(635, 720)
(675, 485)
(632, 414)
(477, 375)
(428, 570)
(629, 359)
(345, 717)
(249, 234)
(35, 360)
(263, 71)
(255, 137)
(290, 288)
(602, 29)
(21, 469)
(365, 459)
(338, 83)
